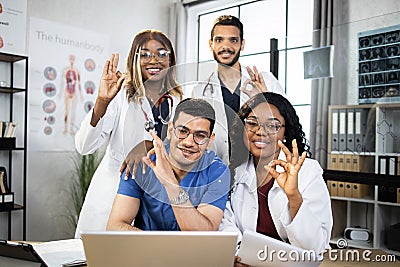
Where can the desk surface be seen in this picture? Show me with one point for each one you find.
(342, 258)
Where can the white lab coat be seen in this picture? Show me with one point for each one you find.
(123, 124)
(211, 91)
(312, 226)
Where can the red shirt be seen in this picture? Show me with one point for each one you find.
(265, 225)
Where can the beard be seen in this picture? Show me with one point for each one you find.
(230, 64)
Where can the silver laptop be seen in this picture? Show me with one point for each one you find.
(159, 248)
(260, 250)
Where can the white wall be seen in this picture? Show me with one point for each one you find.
(121, 19)
(48, 173)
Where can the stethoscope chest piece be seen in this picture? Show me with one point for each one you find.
(149, 125)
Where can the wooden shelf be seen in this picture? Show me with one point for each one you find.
(11, 58)
(9, 90)
(361, 200)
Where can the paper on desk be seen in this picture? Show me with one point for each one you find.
(55, 253)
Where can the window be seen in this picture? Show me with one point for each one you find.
(288, 21)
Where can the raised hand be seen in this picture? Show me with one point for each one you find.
(110, 84)
(287, 180)
(162, 168)
(111, 79)
(255, 84)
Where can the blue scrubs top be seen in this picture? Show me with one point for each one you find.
(208, 182)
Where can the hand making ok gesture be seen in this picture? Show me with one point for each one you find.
(288, 179)
(162, 167)
(111, 79)
(255, 84)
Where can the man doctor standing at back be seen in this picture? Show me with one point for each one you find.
(231, 84)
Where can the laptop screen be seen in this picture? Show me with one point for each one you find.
(159, 248)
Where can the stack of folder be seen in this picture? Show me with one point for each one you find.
(352, 163)
(353, 130)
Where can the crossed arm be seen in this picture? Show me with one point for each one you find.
(203, 218)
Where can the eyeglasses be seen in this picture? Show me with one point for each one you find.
(270, 127)
(199, 137)
(160, 56)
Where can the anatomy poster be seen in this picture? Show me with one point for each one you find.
(13, 26)
(65, 70)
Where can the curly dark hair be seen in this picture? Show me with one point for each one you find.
(293, 128)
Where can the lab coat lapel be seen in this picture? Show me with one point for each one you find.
(244, 78)
(218, 102)
(249, 217)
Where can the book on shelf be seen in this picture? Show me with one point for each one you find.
(7, 129)
(3, 126)
(3, 181)
(13, 129)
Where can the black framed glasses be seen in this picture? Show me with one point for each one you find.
(160, 56)
(270, 127)
(199, 137)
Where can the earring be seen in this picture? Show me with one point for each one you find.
(284, 140)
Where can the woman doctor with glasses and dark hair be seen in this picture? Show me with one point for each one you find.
(277, 190)
(127, 105)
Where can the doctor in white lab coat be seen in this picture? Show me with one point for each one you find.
(315, 213)
(239, 82)
(277, 191)
(120, 116)
(211, 91)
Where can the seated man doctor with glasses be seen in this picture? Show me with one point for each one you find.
(185, 187)
(278, 190)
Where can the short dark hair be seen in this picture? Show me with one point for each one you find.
(197, 108)
(228, 20)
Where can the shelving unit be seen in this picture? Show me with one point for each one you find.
(17, 166)
(369, 134)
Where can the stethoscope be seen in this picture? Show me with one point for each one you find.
(209, 87)
(150, 124)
